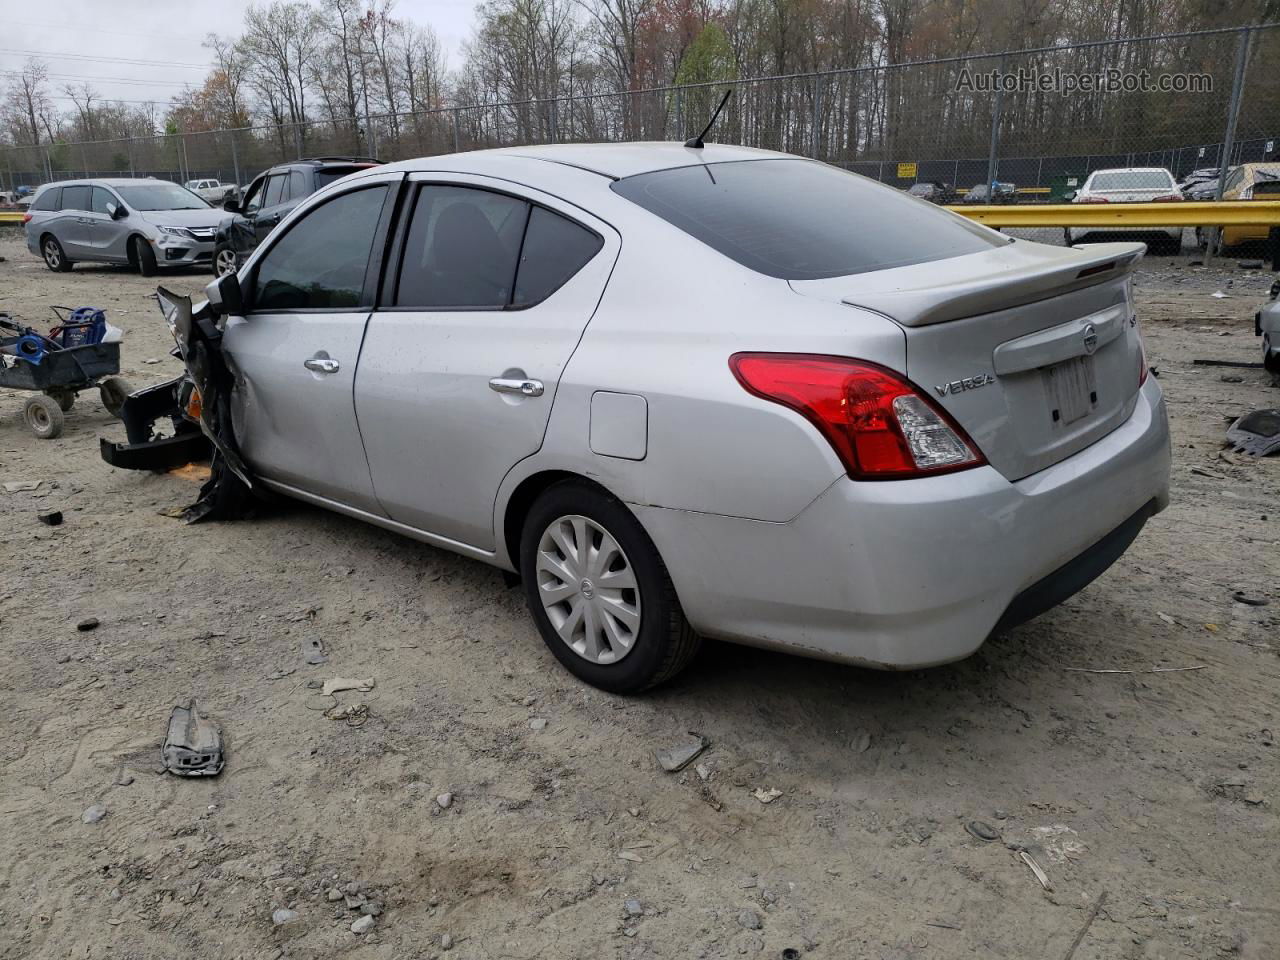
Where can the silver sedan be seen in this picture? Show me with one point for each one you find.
(703, 392)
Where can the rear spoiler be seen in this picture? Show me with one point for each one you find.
(1009, 277)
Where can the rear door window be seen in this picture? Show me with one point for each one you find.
(555, 248)
(803, 220)
(75, 198)
(461, 249)
(322, 261)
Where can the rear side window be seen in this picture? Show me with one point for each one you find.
(461, 249)
(321, 262)
(51, 199)
(75, 198)
(802, 220)
(555, 248)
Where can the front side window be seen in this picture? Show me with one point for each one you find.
(321, 262)
(75, 198)
(461, 249)
(802, 220)
(100, 199)
(253, 196)
(275, 189)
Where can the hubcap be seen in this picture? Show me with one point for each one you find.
(226, 262)
(40, 417)
(588, 589)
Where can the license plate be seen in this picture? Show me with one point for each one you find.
(1072, 389)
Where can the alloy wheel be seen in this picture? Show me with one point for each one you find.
(226, 262)
(588, 589)
(52, 255)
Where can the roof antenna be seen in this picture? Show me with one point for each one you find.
(696, 142)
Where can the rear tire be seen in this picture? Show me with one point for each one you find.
(144, 258)
(54, 256)
(649, 641)
(1270, 360)
(43, 415)
(114, 391)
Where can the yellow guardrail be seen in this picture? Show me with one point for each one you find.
(11, 216)
(1127, 216)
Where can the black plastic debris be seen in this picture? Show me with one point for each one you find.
(1256, 433)
(50, 518)
(193, 745)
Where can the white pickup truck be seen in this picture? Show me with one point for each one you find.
(213, 191)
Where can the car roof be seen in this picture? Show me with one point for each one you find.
(107, 182)
(1133, 170)
(614, 160)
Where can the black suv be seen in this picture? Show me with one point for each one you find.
(271, 195)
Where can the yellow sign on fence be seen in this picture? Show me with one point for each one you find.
(906, 171)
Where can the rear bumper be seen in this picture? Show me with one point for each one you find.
(920, 572)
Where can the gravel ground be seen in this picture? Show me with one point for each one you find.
(1148, 798)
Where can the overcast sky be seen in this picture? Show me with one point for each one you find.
(67, 33)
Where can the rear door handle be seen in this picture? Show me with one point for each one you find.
(526, 388)
(321, 363)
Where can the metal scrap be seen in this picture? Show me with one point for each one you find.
(193, 745)
(1256, 433)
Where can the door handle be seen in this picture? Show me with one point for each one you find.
(526, 388)
(321, 363)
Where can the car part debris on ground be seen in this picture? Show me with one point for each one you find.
(338, 684)
(1256, 433)
(50, 518)
(676, 758)
(766, 796)
(193, 745)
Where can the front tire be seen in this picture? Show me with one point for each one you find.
(54, 256)
(113, 392)
(144, 258)
(224, 261)
(599, 592)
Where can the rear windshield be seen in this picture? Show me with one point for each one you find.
(801, 220)
(1132, 180)
(160, 196)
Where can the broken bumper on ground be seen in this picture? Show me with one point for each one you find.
(144, 450)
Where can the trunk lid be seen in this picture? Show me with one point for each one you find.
(1032, 349)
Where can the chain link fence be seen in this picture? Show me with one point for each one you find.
(1040, 120)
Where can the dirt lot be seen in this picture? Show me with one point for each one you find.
(1157, 791)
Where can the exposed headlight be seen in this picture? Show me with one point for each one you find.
(182, 233)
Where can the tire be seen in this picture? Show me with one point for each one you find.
(144, 258)
(663, 643)
(43, 415)
(65, 399)
(1270, 360)
(224, 261)
(54, 257)
(114, 391)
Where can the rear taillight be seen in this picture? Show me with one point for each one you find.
(880, 425)
(26, 218)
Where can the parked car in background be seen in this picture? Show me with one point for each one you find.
(214, 191)
(143, 222)
(1197, 183)
(935, 191)
(1130, 185)
(268, 198)
(1243, 182)
(983, 193)
(500, 384)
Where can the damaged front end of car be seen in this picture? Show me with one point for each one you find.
(195, 407)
